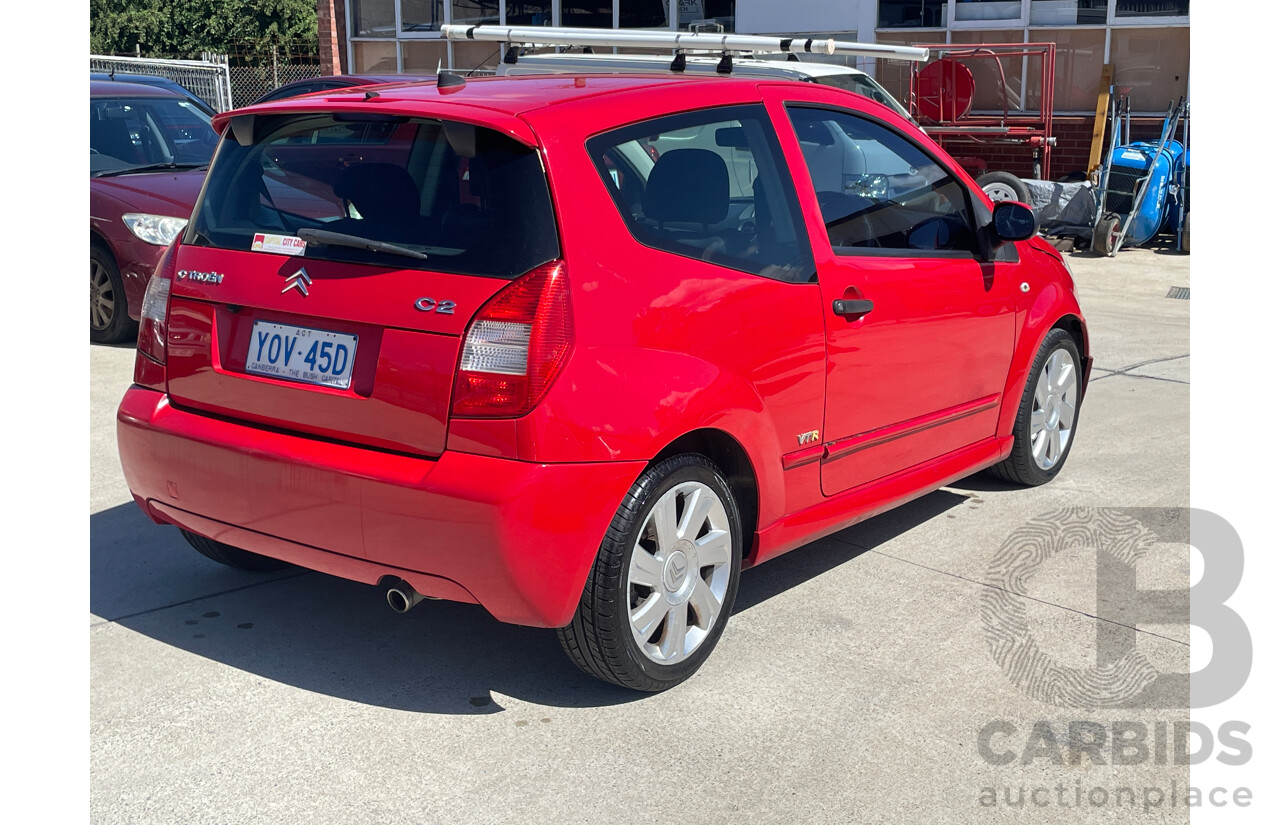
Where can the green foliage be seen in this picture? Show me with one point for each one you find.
(185, 28)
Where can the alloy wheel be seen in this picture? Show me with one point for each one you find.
(679, 572)
(102, 296)
(1054, 412)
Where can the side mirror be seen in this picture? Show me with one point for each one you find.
(1013, 221)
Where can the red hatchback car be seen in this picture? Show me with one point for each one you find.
(579, 349)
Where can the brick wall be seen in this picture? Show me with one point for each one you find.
(331, 19)
(1071, 154)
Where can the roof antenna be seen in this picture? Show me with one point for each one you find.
(449, 80)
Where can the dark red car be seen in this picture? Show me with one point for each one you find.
(580, 349)
(148, 149)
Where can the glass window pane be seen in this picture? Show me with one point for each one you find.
(1068, 12)
(1153, 8)
(896, 14)
(1078, 72)
(372, 57)
(475, 11)
(421, 15)
(988, 9)
(586, 13)
(423, 56)
(992, 75)
(878, 190)
(479, 57)
(707, 186)
(536, 13)
(1151, 65)
(374, 18)
(642, 14)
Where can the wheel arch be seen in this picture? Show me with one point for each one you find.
(1054, 309)
(727, 453)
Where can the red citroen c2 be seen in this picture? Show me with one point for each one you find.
(579, 349)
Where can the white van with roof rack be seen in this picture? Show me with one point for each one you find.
(684, 52)
(827, 74)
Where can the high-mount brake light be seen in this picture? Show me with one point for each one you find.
(680, 41)
(515, 346)
(155, 307)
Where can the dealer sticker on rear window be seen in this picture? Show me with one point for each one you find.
(284, 244)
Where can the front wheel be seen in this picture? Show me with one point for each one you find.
(1048, 413)
(664, 581)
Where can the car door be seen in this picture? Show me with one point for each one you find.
(920, 327)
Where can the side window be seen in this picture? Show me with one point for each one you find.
(708, 185)
(879, 191)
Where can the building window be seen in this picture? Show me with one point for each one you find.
(374, 57)
(642, 14)
(1153, 8)
(374, 18)
(905, 14)
(586, 13)
(1078, 71)
(1151, 65)
(422, 56)
(529, 14)
(988, 10)
(421, 15)
(1068, 12)
(475, 12)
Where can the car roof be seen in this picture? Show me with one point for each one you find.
(510, 95)
(115, 88)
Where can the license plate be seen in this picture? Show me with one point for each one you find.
(313, 356)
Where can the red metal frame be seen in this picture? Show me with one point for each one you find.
(1034, 129)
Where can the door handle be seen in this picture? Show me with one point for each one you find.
(852, 306)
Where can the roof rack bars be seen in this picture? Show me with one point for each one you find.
(679, 41)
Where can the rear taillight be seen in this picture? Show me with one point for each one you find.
(515, 346)
(155, 307)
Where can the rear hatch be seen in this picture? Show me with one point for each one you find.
(332, 265)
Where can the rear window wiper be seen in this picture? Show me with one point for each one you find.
(150, 167)
(324, 237)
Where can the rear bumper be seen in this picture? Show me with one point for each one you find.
(515, 537)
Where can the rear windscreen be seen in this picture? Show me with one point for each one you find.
(471, 200)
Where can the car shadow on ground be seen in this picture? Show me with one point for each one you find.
(339, 638)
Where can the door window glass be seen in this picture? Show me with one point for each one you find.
(878, 190)
(708, 185)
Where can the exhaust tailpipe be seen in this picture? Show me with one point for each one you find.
(402, 597)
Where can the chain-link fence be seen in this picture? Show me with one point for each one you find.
(257, 69)
(207, 78)
(247, 71)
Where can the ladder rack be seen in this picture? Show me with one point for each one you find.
(680, 42)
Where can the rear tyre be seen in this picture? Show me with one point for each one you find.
(1003, 186)
(663, 584)
(109, 321)
(1047, 415)
(233, 556)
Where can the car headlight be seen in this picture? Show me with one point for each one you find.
(157, 229)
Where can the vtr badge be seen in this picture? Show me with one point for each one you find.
(810, 437)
